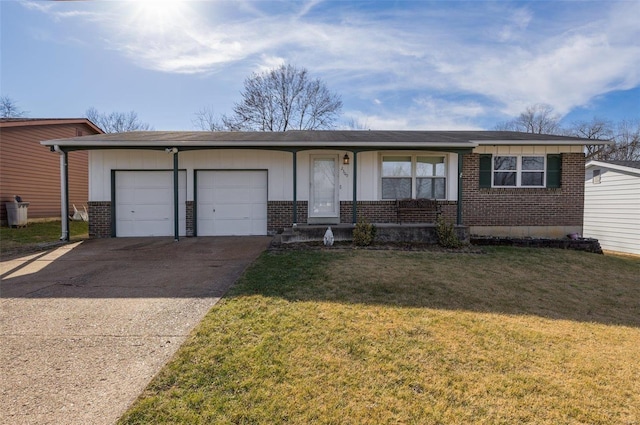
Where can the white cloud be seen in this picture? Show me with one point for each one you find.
(513, 56)
(424, 113)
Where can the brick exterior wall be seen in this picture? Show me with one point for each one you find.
(372, 211)
(524, 206)
(449, 210)
(99, 219)
(280, 214)
(189, 218)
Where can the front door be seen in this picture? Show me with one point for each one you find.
(324, 205)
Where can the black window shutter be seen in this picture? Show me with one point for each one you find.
(554, 170)
(485, 170)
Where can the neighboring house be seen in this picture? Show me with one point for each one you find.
(612, 205)
(31, 171)
(258, 183)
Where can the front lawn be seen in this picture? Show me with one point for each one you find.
(39, 233)
(386, 337)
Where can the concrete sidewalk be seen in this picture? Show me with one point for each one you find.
(85, 327)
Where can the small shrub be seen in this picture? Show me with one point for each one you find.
(446, 233)
(364, 233)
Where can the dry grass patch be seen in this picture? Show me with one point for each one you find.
(364, 337)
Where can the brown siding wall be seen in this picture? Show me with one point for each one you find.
(523, 206)
(30, 170)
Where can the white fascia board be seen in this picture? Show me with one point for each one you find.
(252, 144)
(600, 164)
(541, 142)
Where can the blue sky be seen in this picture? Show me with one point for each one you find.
(413, 65)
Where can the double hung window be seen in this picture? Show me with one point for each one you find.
(520, 170)
(413, 176)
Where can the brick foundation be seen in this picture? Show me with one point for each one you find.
(189, 218)
(372, 211)
(99, 219)
(280, 213)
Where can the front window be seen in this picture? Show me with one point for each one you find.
(518, 171)
(413, 176)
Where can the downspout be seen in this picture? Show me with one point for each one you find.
(295, 188)
(354, 208)
(64, 193)
(176, 209)
(459, 208)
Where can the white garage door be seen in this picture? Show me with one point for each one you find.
(144, 203)
(232, 203)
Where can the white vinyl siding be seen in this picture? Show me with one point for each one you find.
(612, 209)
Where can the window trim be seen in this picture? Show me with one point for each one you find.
(519, 171)
(414, 177)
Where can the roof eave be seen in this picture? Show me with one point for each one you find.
(594, 163)
(31, 122)
(550, 142)
(129, 144)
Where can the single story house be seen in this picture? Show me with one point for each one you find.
(612, 205)
(31, 172)
(168, 183)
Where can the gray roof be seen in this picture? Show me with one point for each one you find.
(314, 139)
(630, 164)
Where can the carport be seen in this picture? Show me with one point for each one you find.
(345, 145)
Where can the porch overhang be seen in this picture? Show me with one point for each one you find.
(456, 142)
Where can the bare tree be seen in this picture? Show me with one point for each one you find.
(596, 129)
(627, 142)
(356, 124)
(284, 98)
(9, 108)
(538, 119)
(205, 119)
(117, 122)
(624, 134)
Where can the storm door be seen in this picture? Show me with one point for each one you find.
(324, 205)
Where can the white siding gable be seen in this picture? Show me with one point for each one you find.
(612, 207)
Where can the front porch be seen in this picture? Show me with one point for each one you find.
(394, 212)
(422, 233)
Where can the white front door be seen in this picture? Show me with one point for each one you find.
(232, 203)
(324, 204)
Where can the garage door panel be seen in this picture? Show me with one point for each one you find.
(232, 203)
(144, 203)
(258, 212)
(151, 179)
(227, 195)
(233, 212)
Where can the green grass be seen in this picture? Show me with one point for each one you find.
(39, 233)
(384, 337)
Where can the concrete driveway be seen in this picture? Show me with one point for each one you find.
(86, 326)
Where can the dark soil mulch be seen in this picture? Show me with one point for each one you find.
(376, 246)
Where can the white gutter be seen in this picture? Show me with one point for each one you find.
(254, 144)
(64, 194)
(550, 142)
